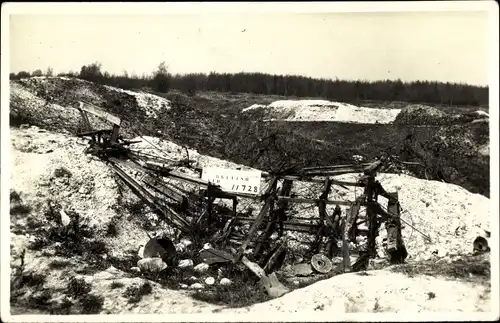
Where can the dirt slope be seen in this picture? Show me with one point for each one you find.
(91, 191)
(381, 291)
(51, 174)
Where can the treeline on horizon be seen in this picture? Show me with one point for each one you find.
(284, 85)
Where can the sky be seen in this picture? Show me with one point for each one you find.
(435, 46)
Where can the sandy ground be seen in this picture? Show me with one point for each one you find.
(381, 291)
(321, 110)
(448, 213)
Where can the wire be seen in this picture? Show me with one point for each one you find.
(412, 222)
(412, 226)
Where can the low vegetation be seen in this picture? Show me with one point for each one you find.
(286, 85)
(465, 267)
(135, 293)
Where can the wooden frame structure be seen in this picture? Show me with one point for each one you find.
(163, 195)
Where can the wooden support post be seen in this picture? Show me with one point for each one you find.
(352, 217)
(210, 201)
(114, 134)
(395, 243)
(372, 230)
(260, 217)
(322, 215)
(274, 216)
(345, 247)
(235, 204)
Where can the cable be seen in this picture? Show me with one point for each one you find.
(412, 226)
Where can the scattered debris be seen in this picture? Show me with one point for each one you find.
(225, 282)
(151, 264)
(202, 267)
(196, 286)
(321, 263)
(302, 270)
(65, 219)
(185, 263)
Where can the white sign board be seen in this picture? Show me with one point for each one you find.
(230, 180)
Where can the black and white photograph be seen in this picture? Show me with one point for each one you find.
(253, 161)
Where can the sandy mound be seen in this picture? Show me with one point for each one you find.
(418, 114)
(56, 97)
(149, 102)
(449, 214)
(379, 291)
(321, 110)
(53, 166)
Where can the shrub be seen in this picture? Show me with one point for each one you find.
(31, 279)
(134, 294)
(115, 285)
(91, 304)
(40, 300)
(161, 79)
(78, 287)
(20, 209)
(62, 172)
(112, 228)
(14, 196)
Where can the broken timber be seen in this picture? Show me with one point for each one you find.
(113, 149)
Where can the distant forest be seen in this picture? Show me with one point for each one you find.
(287, 85)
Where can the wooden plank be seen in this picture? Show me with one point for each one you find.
(312, 179)
(85, 118)
(165, 192)
(274, 216)
(255, 268)
(331, 172)
(313, 201)
(165, 172)
(171, 215)
(256, 224)
(99, 113)
(362, 165)
(346, 263)
(274, 257)
(260, 217)
(211, 256)
(165, 188)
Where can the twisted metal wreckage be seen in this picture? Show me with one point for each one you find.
(172, 202)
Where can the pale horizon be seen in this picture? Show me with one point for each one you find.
(411, 46)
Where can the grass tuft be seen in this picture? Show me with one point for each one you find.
(135, 293)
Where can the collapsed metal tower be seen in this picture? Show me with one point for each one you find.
(162, 187)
